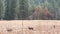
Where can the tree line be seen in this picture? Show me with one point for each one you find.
(29, 10)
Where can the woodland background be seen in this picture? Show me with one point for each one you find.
(28, 9)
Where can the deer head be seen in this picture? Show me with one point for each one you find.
(46, 11)
(37, 10)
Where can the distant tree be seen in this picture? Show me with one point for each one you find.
(23, 9)
(17, 10)
(10, 10)
(2, 9)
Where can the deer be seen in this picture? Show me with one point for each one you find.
(47, 15)
(41, 14)
(35, 15)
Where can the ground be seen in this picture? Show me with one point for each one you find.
(30, 27)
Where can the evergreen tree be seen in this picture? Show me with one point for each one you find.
(2, 9)
(17, 10)
(23, 9)
(10, 10)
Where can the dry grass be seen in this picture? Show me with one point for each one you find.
(36, 27)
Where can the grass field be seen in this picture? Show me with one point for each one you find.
(30, 27)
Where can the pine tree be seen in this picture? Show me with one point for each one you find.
(23, 9)
(17, 10)
(10, 10)
(2, 9)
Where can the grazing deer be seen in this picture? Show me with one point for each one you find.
(35, 15)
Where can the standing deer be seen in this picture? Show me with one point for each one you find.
(41, 15)
(35, 15)
(47, 15)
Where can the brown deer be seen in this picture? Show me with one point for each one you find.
(35, 15)
(47, 15)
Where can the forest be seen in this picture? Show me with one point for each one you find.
(29, 9)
